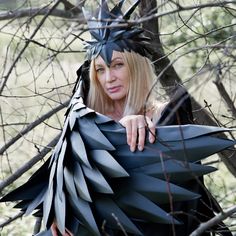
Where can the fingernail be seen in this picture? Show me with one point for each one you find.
(132, 149)
(140, 148)
(152, 139)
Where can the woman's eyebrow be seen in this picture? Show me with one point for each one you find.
(116, 58)
(99, 64)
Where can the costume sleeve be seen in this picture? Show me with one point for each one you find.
(93, 185)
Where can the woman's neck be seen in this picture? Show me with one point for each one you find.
(118, 111)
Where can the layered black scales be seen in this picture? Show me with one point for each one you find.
(93, 184)
(111, 31)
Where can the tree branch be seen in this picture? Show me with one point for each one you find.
(214, 221)
(7, 222)
(5, 78)
(225, 96)
(29, 164)
(33, 125)
(182, 8)
(72, 8)
(35, 11)
(71, 11)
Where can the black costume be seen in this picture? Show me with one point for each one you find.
(93, 185)
(92, 179)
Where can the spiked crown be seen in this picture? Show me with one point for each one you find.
(110, 32)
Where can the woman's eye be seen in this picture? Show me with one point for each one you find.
(118, 65)
(99, 70)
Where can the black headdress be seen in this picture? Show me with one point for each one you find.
(110, 32)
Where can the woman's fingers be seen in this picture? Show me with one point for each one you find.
(152, 131)
(134, 134)
(131, 132)
(54, 229)
(136, 128)
(141, 136)
(128, 127)
(68, 233)
(146, 125)
(131, 125)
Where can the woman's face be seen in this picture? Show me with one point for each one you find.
(114, 79)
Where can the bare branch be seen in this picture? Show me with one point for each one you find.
(72, 8)
(216, 45)
(214, 221)
(29, 164)
(36, 11)
(33, 125)
(70, 11)
(5, 78)
(183, 8)
(13, 124)
(225, 96)
(10, 220)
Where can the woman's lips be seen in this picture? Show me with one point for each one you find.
(114, 89)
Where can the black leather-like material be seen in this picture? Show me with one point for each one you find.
(92, 184)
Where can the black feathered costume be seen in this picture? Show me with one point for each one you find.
(93, 185)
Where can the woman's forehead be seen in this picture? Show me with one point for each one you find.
(115, 56)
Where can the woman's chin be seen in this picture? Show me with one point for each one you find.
(116, 96)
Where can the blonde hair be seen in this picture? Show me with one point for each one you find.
(141, 78)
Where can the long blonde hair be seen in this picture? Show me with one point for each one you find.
(141, 78)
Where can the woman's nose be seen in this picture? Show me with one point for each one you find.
(109, 75)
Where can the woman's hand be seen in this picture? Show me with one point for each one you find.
(54, 231)
(136, 130)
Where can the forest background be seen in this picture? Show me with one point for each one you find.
(41, 48)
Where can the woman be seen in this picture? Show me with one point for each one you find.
(93, 184)
(120, 79)
(120, 91)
